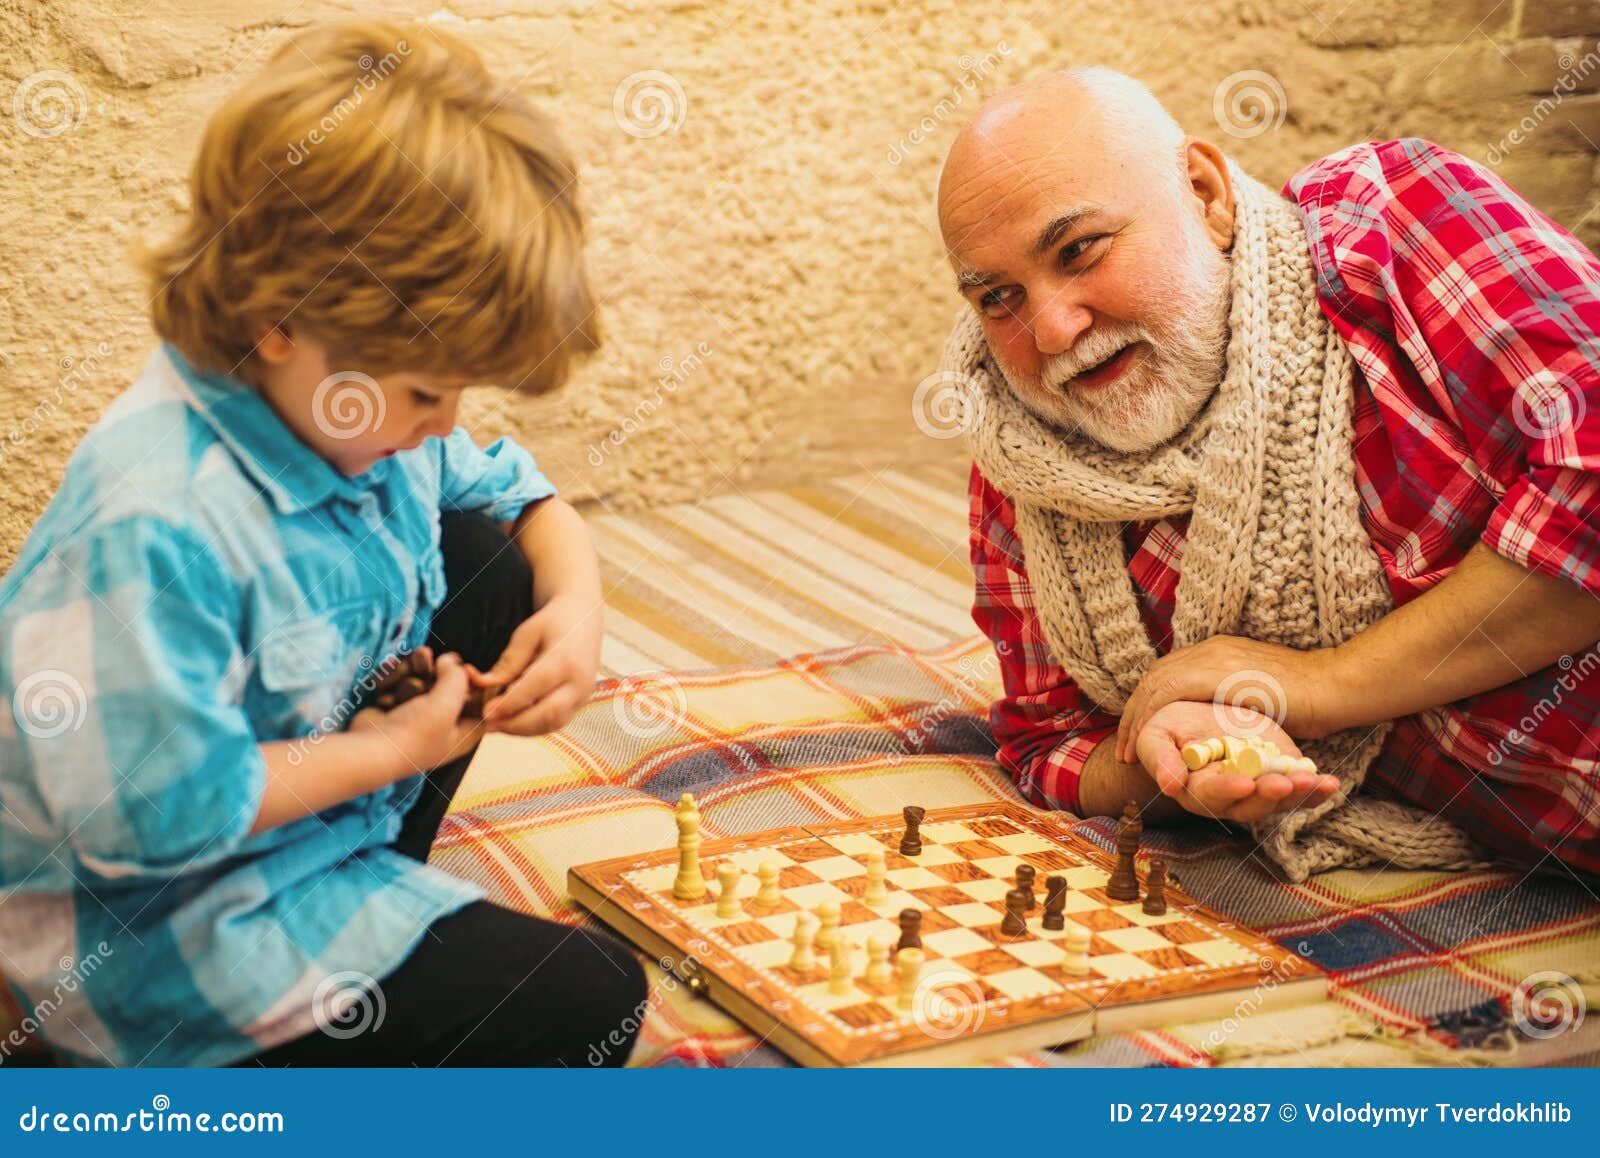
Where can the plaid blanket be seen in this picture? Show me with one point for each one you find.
(1427, 968)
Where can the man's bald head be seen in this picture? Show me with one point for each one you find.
(1089, 232)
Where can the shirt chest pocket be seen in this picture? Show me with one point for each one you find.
(309, 665)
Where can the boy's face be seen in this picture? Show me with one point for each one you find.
(351, 419)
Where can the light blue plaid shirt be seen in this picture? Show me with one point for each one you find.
(201, 583)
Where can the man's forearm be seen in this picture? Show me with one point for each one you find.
(1488, 623)
(1106, 785)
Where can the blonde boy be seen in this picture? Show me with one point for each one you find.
(279, 506)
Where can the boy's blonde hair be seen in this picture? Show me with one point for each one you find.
(376, 187)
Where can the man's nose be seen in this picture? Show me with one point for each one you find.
(1057, 324)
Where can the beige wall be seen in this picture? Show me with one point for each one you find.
(774, 248)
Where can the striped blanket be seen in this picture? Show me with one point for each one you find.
(1426, 967)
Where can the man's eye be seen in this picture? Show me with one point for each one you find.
(997, 303)
(1073, 250)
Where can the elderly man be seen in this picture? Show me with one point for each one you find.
(1317, 466)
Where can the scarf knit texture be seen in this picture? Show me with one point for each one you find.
(1275, 550)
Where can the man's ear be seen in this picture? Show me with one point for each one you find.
(1212, 184)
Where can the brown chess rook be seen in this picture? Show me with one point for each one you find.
(413, 675)
(1124, 882)
(1055, 903)
(1014, 924)
(1025, 877)
(1155, 897)
(910, 929)
(911, 842)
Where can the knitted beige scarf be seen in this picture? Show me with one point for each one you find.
(1275, 548)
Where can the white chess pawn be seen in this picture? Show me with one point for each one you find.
(1076, 945)
(877, 871)
(827, 924)
(909, 962)
(839, 953)
(728, 898)
(877, 961)
(803, 960)
(767, 895)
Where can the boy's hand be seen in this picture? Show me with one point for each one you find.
(1209, 791)
(427, 730)
(548, 669)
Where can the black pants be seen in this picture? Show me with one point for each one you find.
(487, 986)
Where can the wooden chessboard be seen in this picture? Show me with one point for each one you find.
(981, 993)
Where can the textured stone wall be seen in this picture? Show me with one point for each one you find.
(759, 180)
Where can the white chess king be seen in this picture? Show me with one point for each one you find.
(690, 884)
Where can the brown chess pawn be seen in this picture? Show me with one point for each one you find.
(1025, 878)
(1124, 882)
(911, 842)
(910, 930)
(1014, 924)
(1055, 903)
(1155, 897)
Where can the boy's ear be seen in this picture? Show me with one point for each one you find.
(274, 344)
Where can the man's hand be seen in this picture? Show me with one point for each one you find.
(427, 730)
(1302, 691)
(1209, 791)
(548, 669)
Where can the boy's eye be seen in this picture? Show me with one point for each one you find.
(424, 399)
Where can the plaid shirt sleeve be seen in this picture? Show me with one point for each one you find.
(1045, 726)
(150, 764)
(1422, 249)
(498, 481)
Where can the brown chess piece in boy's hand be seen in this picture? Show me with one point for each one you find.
(413, 675)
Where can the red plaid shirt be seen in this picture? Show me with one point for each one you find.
(1467, 312)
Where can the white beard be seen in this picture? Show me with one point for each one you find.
(1176, 375)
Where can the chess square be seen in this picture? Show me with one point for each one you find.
(747, 933)
(1135, 938)
(1081, 902)
(766, 955)
(857, 844)
(944, 895)
(945, 832)
(1085, 877)
(914, 878)
(866, 1014)
(1121, 966)
(1135, 913)
(936, 854)
(806, 851)
(1050, 861)
(1099, 919)
(653, 880)
(1220, 952)
(1021, 842)
(1020, 983)
(1004, 867)
(781, 924)
(977, 849)
(817, 997)
(1170, 957)
(973, 915)
(834, 868)
(954, 942)
(993, 826)
(810, 896)
(751, 859)
(987, 889)
(794, 875)
(1038, 953)
(957, 871)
